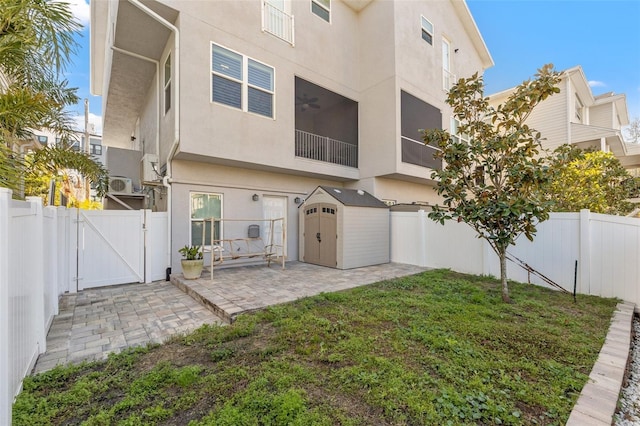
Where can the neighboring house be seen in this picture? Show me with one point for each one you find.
(239, 108)
(97, 151)
(577, 117)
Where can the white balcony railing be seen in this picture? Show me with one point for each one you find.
(277, 22)
(322, 148)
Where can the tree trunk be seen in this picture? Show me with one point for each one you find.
(503, 277)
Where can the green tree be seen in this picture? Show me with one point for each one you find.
(632, 132)
(593, 180)
(36, 44)
(491, 181)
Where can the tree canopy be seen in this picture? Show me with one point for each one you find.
(593, 180)
(36, 44)
(491, 177)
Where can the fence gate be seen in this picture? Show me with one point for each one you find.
(110, 247)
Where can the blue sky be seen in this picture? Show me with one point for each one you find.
(603, 36)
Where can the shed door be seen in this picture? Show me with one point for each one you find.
(320, 234)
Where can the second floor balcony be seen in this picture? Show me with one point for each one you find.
(326, 125)
(323, 148)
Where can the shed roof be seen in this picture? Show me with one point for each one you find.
(352, 197)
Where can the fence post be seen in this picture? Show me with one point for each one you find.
(6, 396)
(584, 261)
(38, 271)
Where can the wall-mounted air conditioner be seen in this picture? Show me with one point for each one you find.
(149, 168)
(120, 185)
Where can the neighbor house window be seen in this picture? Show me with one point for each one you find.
(167, 84)
(43, 139)
(204, 206)
(322, 8)
(96, 149)
(579, 108)
(241, 82)
(427, 30)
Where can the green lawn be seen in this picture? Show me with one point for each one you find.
(430, 349)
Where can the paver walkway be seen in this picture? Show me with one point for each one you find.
(246, 288)
(95, 322)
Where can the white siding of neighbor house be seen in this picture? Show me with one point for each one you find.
(601, 115)
(364, 237)
(552, 116)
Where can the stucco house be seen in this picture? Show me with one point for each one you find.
(237, 109)
(578, 117)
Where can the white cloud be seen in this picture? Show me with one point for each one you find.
(95, 121)
(595, 83)
(81, 10)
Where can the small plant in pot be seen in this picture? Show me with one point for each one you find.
(192, 263)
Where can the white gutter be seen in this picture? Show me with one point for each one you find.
(166, 181)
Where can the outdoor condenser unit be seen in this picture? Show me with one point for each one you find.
(120, 185)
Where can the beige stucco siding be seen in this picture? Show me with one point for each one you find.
(237, 185)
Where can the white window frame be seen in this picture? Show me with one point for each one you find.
(579, 106)
(191, 220)
(448, 78)
(167, 84)
(322, 6)
(454, 124)
(431, 31)
(244, 82)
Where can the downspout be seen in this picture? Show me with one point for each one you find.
(166, 181)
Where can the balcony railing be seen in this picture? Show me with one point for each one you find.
(322, 148)
(277, 22)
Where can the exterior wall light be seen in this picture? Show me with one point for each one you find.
(255, 197)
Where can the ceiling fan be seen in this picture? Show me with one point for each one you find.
(306, 102)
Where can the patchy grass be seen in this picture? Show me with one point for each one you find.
(433, 348)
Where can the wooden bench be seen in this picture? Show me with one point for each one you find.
(252, 246)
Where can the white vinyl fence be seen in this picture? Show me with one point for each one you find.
(607, 249)
(45, 252)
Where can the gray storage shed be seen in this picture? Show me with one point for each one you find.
(343, 228)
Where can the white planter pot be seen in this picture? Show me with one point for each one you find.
(191, 269)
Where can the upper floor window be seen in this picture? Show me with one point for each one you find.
(455, 131)
(448, 78)
(322, 8)
(96, 149)
(43, 139)
(427, 30)
(579, 109)
(241, 82)
(167, 84)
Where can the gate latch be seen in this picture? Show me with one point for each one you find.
(318, 237)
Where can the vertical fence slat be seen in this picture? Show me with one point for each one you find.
(6, 393)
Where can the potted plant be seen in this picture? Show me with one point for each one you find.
(192, 263)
